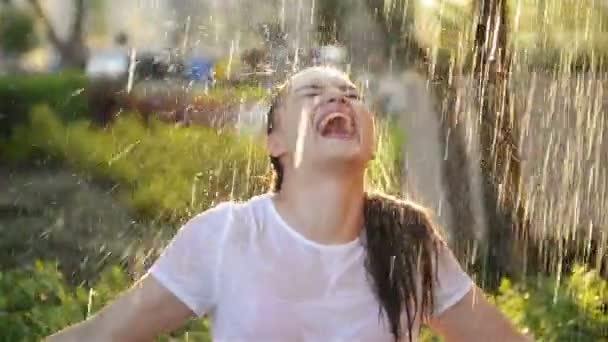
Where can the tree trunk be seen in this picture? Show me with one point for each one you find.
(404, 50)
(500, 164)
(72, 51)
(397, 25)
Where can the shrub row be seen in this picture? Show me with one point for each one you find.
(20, 93)
(163, 172)
(72, 96)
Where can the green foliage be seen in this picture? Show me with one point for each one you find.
(20, 93)
(241, 93)
(17, 34)
(169, 172)
(36, 302)
(573, 310)
(542, 33)
(385, 171)
(548, 310)
(222, 93)
(165, 172)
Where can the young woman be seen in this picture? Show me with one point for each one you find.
(317, 259)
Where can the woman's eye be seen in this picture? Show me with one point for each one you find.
(354, 96)
(311, 95)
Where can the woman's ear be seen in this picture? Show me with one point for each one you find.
(275, 145)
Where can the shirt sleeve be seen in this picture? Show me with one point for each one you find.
(188, 267)
(453, 283)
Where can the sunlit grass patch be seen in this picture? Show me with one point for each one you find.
(163, 172)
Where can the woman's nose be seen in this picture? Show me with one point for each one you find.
(336, 97)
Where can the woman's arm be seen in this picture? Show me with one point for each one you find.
(140, 314)
(181, 284)
(473, 318)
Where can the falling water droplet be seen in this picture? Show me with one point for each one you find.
(132, 64)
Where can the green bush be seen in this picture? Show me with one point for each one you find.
(163, 172)
(36, 302)
(552, 311)
(64, 93)
(573, 309)
(67, 94)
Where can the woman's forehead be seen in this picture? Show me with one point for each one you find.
(319, 76)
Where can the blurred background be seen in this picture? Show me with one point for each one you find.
(119, 120)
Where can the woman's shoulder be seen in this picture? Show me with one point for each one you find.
(229, 208)
(231, 215)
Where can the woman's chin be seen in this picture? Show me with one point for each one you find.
(346, 153)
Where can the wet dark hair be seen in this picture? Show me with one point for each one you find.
(401, 249)
(277, 167)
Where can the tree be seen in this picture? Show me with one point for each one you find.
(17, 35)
(443, 62)
(397, 24)
(489, 66)
(330, 26)
(484, 58)
(254, 58)
(401, 48)
(72, 50)
(500, 164)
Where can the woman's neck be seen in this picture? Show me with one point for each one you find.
(327, 211)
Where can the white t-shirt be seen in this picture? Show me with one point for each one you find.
(260, 280)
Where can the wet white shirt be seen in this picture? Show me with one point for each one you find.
(260, 280)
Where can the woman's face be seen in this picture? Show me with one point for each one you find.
(322, 122)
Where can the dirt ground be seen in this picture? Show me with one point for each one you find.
(53, 214)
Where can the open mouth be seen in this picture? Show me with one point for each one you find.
(337, 126)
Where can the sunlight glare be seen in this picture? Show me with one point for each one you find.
(427, 3)
(302, 127)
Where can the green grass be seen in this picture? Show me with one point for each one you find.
(385, 171)
(163, 172)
